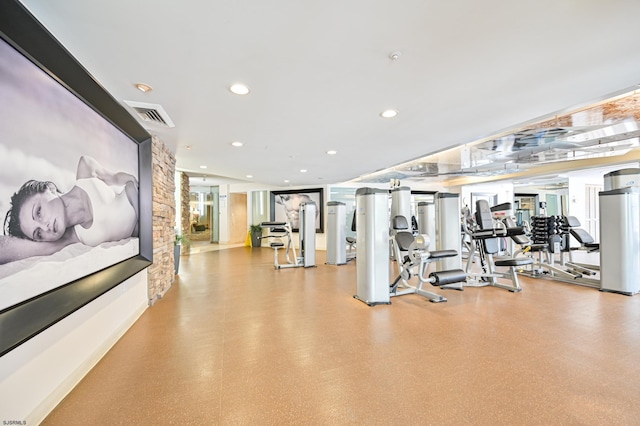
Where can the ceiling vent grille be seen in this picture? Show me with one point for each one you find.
(151, 113)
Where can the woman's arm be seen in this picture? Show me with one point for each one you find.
(88, 167)
(14, 248)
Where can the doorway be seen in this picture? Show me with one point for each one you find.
(203, 214)
(237, 218)
(592, 208)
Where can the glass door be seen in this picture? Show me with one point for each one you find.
(204, 213)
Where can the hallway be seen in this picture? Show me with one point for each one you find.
(236, 342)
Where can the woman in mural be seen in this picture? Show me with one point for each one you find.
(102, 206)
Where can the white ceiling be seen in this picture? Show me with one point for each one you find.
(320, 74)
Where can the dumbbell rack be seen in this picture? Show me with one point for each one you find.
(552, 231)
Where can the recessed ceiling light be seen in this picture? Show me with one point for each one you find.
(239, 89)
(332, 152)
(237, 143)
(143, 87)
(187, 147)
(394, 56)
(303, 170)
(249, 176)
(286, 181)
(203, 167)
(389, 113)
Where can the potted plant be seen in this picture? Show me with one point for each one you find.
(177, 245)
(256, 234)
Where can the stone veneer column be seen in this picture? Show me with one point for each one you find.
(161, 274)
(185, 222)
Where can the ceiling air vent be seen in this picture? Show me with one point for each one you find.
(151, 113)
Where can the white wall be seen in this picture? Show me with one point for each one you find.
(38, 374)
(223, 196)
(577, 194)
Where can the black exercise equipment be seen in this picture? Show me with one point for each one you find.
(485, 242)
(413, 258)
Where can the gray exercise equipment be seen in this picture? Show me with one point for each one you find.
(485, 244)
(336, 233)
(447, 232)
(400, 202)
(550, 236)
(620, 240)
(619, 246)
(280, 234)
(413, 258)
(372, 246)
(623, 178)
(427, 218)
(587, 244)
(307, 233)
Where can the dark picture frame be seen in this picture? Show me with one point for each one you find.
(287, 201)
(26, 319)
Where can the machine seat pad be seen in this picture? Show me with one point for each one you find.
(272, 224)
(515, 230)
(592, 245)
(276, 244)
(483, 234)
(573, 222)
(539, 247)
(582, 236)
(520, 261)
(278, 230)
(441, 254)
(404, 239)
(520, 239)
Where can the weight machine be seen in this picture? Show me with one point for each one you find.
(411, 253)
(550, 236)
(336, 233)
(485, 244)
(281, 232)
(340, 247)
(372, 246)
(413, 258)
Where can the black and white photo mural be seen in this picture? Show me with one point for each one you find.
(75, 183)
(68, 184)
(285, 206)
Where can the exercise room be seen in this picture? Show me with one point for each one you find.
(239, 213)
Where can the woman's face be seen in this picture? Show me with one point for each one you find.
(42, 217)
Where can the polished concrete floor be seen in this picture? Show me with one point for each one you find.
(236, 342)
